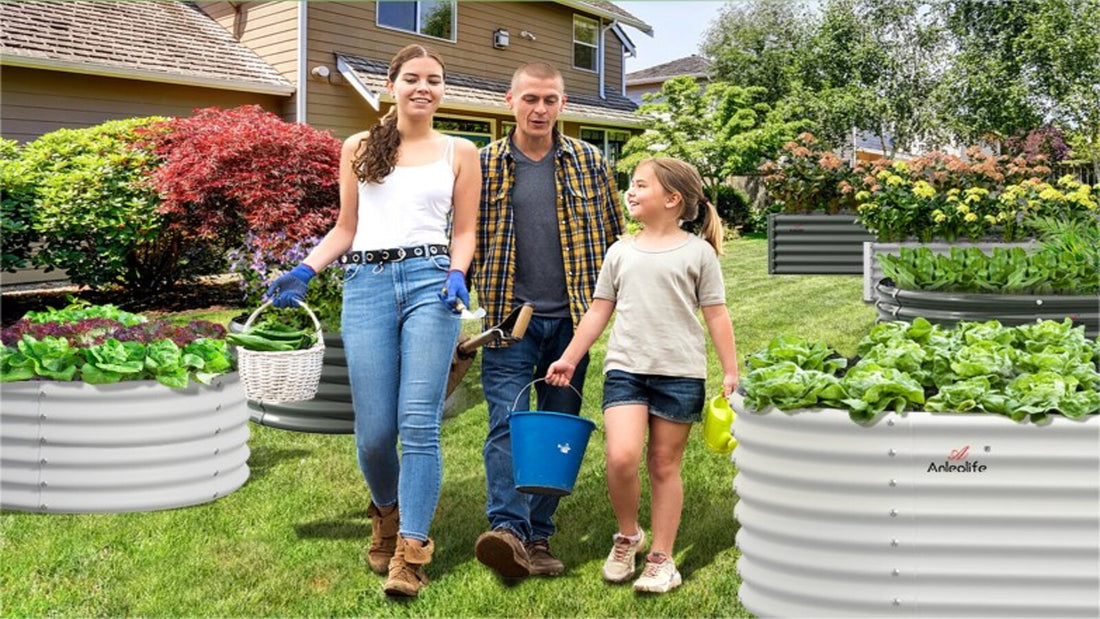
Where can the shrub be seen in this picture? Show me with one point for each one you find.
(808, 178)
(228, 172)
(16, 207)
(92, 212)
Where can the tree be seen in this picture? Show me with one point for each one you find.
(989, 91)
(760, 43)
(722, 130)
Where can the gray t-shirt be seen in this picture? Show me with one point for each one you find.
(657, 295)
(540, 269)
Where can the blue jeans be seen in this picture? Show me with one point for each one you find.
(506, 374)
(399, 339)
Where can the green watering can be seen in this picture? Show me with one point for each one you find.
(717, 423)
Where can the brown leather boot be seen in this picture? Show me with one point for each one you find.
(407, 575)
(383, 537)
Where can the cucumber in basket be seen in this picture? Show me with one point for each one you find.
(273, 336)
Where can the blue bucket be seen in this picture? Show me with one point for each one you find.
(547, 450)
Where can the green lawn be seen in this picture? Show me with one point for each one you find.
(290, 541)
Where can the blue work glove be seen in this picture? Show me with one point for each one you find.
(454, 291)
(289, 289)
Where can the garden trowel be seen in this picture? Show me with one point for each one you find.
(510, 330)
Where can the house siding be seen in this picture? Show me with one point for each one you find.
(351, 28)
(38, 101)
(268, 28)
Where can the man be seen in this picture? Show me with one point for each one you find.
(549, 211)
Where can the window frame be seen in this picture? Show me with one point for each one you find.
(596, 46)
(492, 122)
(454, 20)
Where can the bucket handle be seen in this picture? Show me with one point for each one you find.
(515, 402)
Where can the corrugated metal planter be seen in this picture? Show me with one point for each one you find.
(872, 270)
(71, 447)
(947, 308)
(926, 514)
(815, 244)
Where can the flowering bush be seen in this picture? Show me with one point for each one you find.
(258, 263)
(944, 196)
(809, 178)
(105, 345)
(226, 172)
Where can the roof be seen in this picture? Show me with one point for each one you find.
(164, 41)
(480, 94)
(609, 10)
(692, 66)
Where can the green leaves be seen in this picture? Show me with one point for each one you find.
(1023, 372)
(1005, 270)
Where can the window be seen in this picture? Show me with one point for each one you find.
(433, 18)
(480, 132)
(586, 42)
(610, 142)
(506, 127)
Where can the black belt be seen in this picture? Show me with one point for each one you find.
(394, 254)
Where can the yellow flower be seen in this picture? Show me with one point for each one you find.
(866, 206)
(962, 208)
(883, 174)
(1067, 181)
(863, 195)
(923, 189)
(971, 217)
(991, 219)
(939, 217)
(894, 180)
(953, 191)
(1050, 193)
(901, 166)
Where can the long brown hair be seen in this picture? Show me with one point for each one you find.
(676, 176)
(377, 153)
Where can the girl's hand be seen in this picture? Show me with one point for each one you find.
(560, 373)
(729, 383)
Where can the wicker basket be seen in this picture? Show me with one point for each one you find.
(281, 376)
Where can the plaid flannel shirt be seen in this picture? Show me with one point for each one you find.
(590, 219)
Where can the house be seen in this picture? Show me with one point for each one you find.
(81, 63)
(650, 79)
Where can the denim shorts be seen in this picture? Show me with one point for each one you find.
(673, 398)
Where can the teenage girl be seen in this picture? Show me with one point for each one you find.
(656, 362)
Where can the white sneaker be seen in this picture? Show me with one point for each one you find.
(659, 575)
(619, 566)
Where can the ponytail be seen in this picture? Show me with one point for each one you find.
(712, 228)
(376, 156)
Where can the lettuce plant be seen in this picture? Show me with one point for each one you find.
(1025, 372)
(81, 342)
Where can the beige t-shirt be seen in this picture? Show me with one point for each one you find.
(657, 295)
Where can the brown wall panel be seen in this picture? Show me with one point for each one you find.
(37, 102)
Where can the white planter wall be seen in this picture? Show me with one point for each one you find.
(837, 519)
(132, 446)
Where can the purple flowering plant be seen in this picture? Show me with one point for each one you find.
(261, 260)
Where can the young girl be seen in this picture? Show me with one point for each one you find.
(656, 362)
(402, 185)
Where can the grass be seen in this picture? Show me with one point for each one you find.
(290, 541)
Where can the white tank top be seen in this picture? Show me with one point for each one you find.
(409, 207)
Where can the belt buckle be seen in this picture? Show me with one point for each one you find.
(400, 254)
